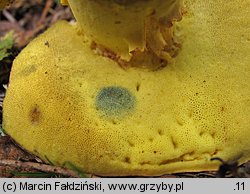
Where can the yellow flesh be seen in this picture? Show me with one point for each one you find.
(183, 115)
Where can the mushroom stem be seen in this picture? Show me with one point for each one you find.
(131, 29)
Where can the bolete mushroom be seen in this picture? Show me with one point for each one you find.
(136, 87)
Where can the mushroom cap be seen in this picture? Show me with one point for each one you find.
(65, 103)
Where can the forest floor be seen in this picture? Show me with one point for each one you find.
(19, 24)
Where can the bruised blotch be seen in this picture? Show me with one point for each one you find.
(114, 101)
(35, 115)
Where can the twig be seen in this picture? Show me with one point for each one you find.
(40, 167)
(9, 17)
(45, 12)
(26, 36)
(1, 99)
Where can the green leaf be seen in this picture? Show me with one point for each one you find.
(76, 169)
(2, 132)
(49, 161)
(6, 43)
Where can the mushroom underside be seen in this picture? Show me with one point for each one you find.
(65, 103)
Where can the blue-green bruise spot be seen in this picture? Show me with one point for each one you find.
(114, 101)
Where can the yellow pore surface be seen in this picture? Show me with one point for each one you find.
(67, 104)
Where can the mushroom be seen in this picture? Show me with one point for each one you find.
(136, 87)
